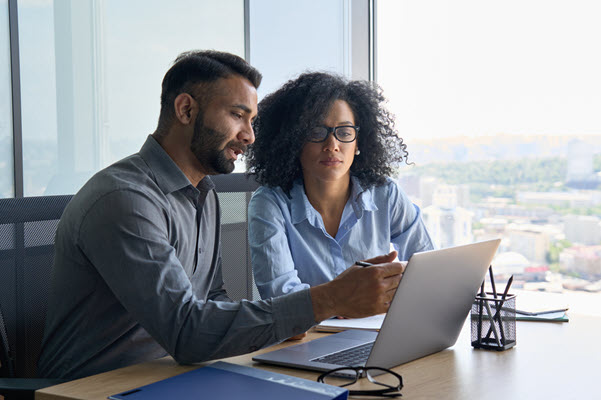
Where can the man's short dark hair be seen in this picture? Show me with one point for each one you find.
(194, 67)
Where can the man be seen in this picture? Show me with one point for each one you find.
(137, 269)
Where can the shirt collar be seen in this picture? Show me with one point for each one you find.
(169, 177)
(301, 208)
(361, 199)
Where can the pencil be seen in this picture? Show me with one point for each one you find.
(480, 309)
(497, 315)
(492, 282)
(492, 324)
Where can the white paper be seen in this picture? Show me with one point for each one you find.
(373, 323)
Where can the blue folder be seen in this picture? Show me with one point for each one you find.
(223, 380)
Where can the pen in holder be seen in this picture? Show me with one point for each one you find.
(493, 321)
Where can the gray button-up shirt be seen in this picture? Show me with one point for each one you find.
(137, 275)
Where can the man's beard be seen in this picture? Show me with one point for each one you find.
(206, 146)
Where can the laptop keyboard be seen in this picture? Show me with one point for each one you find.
(355, 356)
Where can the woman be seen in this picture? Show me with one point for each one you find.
(323, 152)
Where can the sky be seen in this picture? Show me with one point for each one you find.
(473, 67)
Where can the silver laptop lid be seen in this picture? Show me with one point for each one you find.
(431, 302)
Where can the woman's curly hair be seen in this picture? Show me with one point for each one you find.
(286, 116)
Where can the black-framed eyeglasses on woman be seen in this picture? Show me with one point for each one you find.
(343, 133)
(333, 377)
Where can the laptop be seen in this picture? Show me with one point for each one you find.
(426, 315)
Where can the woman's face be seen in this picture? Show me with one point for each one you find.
(330, 160)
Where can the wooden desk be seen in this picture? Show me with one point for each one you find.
(550, 361)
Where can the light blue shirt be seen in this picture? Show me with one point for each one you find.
(291, 249)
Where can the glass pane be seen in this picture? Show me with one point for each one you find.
(290, 37)
(91, 77)
(142, 40)
(6, 126)
(499, 106)
(38, 94)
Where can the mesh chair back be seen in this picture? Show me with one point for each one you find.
(27, 229)
(234, 193)
(6, 364)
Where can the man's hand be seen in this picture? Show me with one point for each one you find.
(298, 337)
(359, 291)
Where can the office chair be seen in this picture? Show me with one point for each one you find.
(234, 192)
(27, 229)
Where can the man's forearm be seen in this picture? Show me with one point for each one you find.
(358, 291)
(323, 302)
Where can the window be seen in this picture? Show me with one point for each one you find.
(499, 104)
(291, 37)
(91, 77)
(90, 71)
(6, 127)
(287, 38)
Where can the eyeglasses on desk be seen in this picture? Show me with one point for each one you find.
(381, 389)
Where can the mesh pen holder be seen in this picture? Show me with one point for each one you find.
(493, 322)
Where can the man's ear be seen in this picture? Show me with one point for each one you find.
(184, 107)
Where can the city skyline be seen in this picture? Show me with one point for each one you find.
(495, 147)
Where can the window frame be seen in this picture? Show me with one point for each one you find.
(360, 28)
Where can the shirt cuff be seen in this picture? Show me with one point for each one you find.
(293, 314)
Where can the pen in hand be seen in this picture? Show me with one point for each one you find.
(363, 264)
